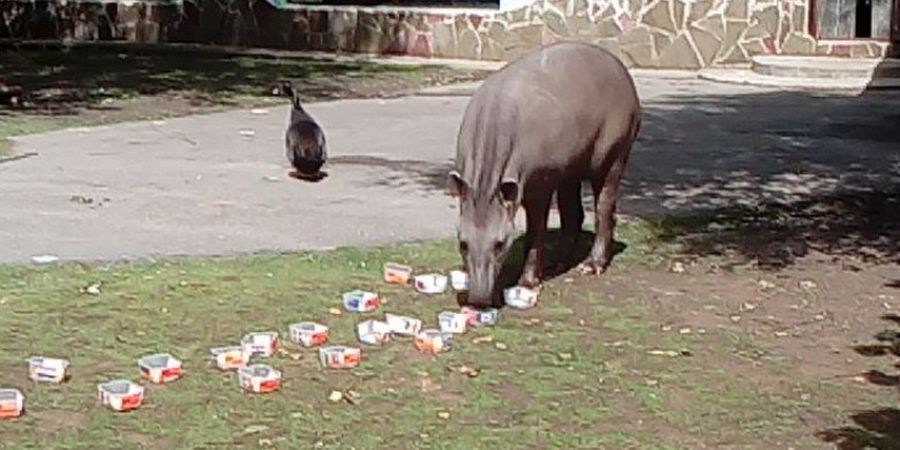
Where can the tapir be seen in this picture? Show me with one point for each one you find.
(543, 124)
(304, 139)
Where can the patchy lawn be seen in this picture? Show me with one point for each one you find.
(86, 86)
(652, 355)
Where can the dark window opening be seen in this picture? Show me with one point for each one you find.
(863, 18)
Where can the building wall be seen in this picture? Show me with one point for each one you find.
(684, 34)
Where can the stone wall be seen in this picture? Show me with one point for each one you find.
(684, 34)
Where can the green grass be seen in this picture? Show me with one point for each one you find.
(85, 86)
(557, 384)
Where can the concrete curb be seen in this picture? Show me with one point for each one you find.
(748, 77)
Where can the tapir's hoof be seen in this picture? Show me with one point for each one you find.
(592, 269)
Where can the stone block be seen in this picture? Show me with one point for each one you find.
(524, 38)
(767, 19)
(754, 48)
(468, 44)
(736, 55)
(556, 22)
(581, 27)
(611, 45)
(800, 19)
(444, 39)
(679, 10)
(737, 9)
(680, 55)
(661, 41)
(659, 16)
(756, 31)
(799, 44)
(637, 43)
(713, 24)
(707, 44)
(733, 31)
(860, 50)
(699, 9)
(608, 28)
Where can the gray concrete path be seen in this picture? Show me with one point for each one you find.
(196, 186)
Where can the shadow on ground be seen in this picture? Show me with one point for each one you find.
(877, 429)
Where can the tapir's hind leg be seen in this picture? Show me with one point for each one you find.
(606, 193)
(571, 217)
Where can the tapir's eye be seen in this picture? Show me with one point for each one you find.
(463, 247)
(499, 246)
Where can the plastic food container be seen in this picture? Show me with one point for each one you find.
(260, 344)
(459, 280)
(339, 357)
(12, 403)
(431, 283)
(259, 378)
(373, 332)
(397, 273)
(480, 317)
(520, 297)
(402, 325)
(121, 395)
(453, 322)
(229, 358)
(48, 370)
(308, 334)
(160, 368)
(434, 341)
(361, 301)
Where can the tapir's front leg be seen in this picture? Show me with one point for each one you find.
(536, 211)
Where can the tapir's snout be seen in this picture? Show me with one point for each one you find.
(481, 286)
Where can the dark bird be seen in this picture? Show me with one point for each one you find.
(304, 140)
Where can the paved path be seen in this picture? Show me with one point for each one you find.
(195, 186)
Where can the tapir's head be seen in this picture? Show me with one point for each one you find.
(485, 233)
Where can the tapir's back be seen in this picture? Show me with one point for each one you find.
(554, 102)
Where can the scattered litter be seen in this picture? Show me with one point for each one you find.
(361, 301)
(308, 334)
(158, 122)
(735, 318)
(229, 358)
(500, 346)
(12, 403)
(121, 395)
(253, 429)
(334, 311)
(819, 317)
(685, 330)
(444, 415)
(483, 339)
(434, 341)
(432, 283)
(468, 371)
(373, 332)
(459, 280)
(402, 325)
(260, 344)
(247, 133)
(520, 297)
(565, 356)
(259, 111)
(93, 289)
(336, 396)
(160, 368)
(453, 322)
(748, 306)
(259, 378)
(48, 370)
(339, 357)
(480, 317)
(781, 333)
(677, 267)
(44, 259)
(397, 273)
(271, 178)
(807, 285)
(669, 353)
(763, 284)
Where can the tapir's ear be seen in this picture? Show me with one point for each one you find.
(509, 191)
(456, 185)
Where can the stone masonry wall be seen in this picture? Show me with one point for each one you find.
(684, 34)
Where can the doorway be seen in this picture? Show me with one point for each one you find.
(854, 19)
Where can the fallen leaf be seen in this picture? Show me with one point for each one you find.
(297, 415)
(483, 339)
(270, 178)
(781, 333)
(352, 397)
(685, 330)
(334, 311)
(748, 307)
(500, 346)
(296, 356)
(677, 267)
(763, 284)
(259, 111)
(265, 442)
(335, 396)
(735, 318)
(253, 429)
(468, 371)
(671, 353)
(808, 285)
(444, 415)
(44, 259)
(565, 356)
